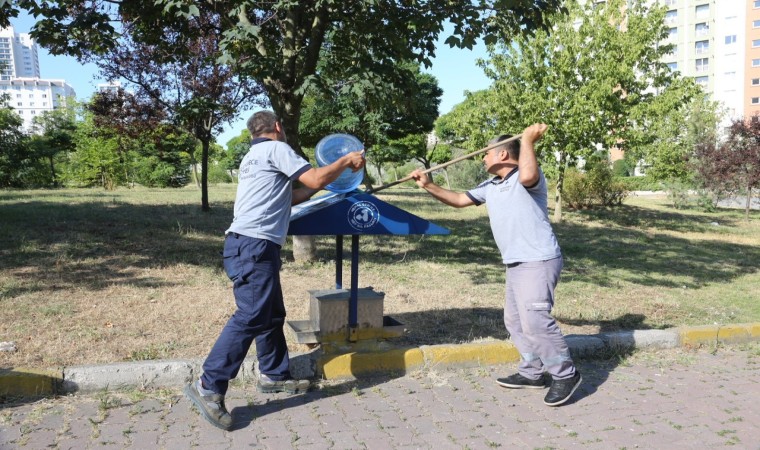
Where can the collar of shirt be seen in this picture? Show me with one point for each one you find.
(259, 140)
(497, 180)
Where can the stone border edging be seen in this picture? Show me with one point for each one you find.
(345, 363)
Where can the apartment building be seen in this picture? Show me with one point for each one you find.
(27, 93)
(717, 42)
(18, 55)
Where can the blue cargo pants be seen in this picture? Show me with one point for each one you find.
(253, 265)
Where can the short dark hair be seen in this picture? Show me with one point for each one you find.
(513, 147)
(261, 122)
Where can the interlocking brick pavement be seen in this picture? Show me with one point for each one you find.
(653, 399)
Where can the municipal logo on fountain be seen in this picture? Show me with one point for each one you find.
(363, 215)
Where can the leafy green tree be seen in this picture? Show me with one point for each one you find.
(237, 147)
(161, 157)
(588, 80)
(100, 159)
(470, 124)
(14, 154)
(393, 125)
(280, 43)
(670, 130)
(170, 60)
(52, 136)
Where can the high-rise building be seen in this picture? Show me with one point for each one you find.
(27, 93)
(708, 38)
(18, 55)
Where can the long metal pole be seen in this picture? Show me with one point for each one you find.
(446, 164)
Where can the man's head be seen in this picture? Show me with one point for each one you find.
(507, 153)
(263, 123)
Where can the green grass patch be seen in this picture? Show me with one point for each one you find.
(89, 276)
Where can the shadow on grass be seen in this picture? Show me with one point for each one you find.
(52, 246)
(625, 322)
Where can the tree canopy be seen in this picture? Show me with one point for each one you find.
(593, 80)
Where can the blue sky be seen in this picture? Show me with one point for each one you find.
(455, 69)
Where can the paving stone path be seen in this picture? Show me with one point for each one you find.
(667, 399)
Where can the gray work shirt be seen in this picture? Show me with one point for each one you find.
(265, 191)
(519, 218)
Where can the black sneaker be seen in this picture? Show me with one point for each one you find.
(518, 381)
(266, 385)
(561, 390)
(211, 406)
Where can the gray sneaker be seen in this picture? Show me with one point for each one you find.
(211, 406)
(267, 385)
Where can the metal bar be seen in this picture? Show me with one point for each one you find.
(353, 301)
(339, 261)
(446, 164)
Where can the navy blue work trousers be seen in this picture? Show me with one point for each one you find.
(253, 265)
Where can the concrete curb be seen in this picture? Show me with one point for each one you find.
(349, 361)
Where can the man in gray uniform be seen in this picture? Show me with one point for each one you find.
(252, 261)
(516, 199)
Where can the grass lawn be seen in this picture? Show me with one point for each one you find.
(89, 276)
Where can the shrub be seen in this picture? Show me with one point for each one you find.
(575, 190)
(620, 168)
(678, 194)
(594, 187)
(218, 174)
(644, 183)
(707, 201)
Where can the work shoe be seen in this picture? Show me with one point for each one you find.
(561, 390)
(211, 406)
(518, 381)
(267, 385)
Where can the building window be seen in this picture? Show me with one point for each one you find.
(701, 29)
(701, 47)
(755, 100)
(670, 2)
(756, 4)
(731, 39)
(755, 43)
(673, 33)
(673, 66)
(19, 104)
(702, 81)
(671, 16)
(702, 65)
(756, 24)
(702, 11)
(756, 62)
(755, 82)
(44, 95)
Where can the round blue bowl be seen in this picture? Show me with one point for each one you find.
(331, 148)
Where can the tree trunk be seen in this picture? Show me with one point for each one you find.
(558, 192)
(749, 203)
(52, 171)
(195, 174)
(446, 176)
(288, 109)
(204, 174)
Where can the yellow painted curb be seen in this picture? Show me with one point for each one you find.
(734, 333)
(29, 382)
(695, 336)
(754, 330)
(474, 354)
(351, 364)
